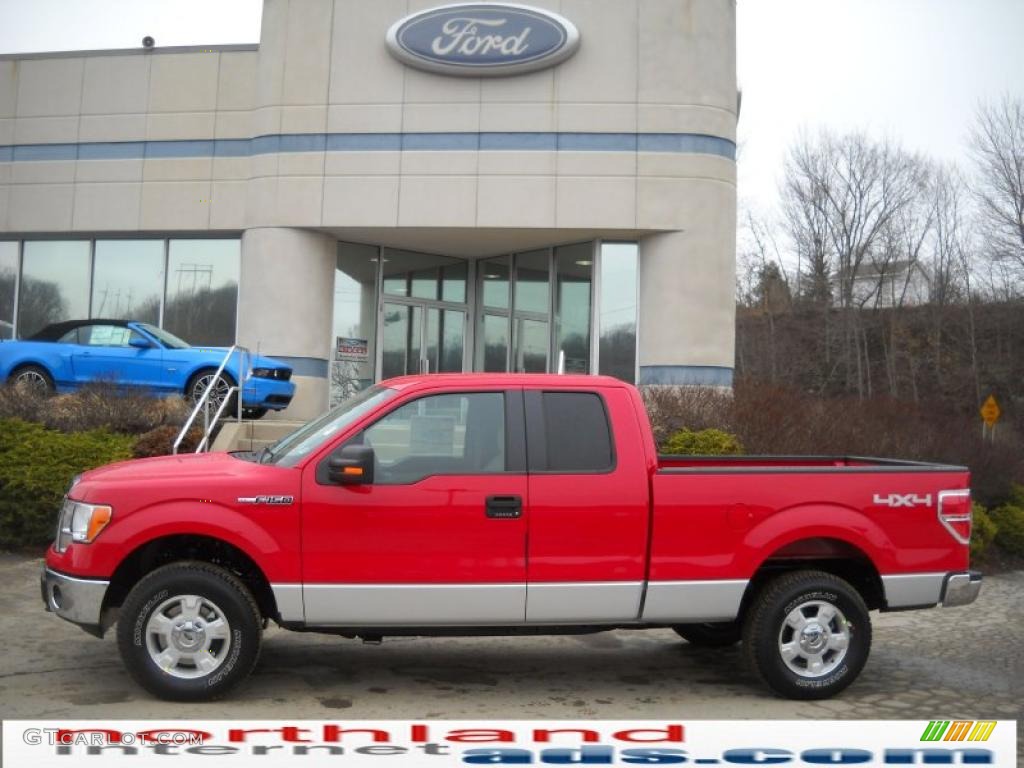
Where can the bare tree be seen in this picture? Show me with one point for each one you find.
(840, 193)
(997, 142)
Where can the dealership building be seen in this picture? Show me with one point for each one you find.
(390, 187)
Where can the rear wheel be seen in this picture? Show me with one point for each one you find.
(32, 379)
(717, 635)
(807, 634)
(189, 632)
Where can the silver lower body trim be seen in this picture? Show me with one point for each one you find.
(289, 601)
(961, 588)
(909, 590)
(425, 605)
(413, 605)
(79, 601)
(678, 602)
(583, 602)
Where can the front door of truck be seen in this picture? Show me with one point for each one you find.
(589, 507)
(439, 536)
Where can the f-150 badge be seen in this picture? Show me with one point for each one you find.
(266, 499)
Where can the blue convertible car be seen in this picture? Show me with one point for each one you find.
(65, 356)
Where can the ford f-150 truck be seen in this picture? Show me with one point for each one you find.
(502, 504)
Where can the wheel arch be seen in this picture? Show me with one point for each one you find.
(830, 554)
(31, 362)
(207, 367)
(177, 547)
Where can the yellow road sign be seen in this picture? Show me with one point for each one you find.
(990, 411)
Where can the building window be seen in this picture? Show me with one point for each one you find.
(202, 290)
(618, 311)
(128, 280)
(355, 320)
(573, 270)
(189, 287)
(54, 284)
(8, 287)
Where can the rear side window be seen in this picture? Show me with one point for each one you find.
(576, 433)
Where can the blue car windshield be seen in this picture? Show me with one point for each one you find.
(169, 340)
(289, 450)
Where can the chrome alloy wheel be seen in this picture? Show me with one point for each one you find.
(32, 381)
(218, 394)
(814, 639)
(188, 636)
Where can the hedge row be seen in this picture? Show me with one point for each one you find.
(37, 464)
(36, 467)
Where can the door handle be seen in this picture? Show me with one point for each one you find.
(504, 507)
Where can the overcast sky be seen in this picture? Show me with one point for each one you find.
(911, 69)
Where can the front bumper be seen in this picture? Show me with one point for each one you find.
(267, 393)
(79, 601)
(961, 588)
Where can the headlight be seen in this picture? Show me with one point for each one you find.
(80, 523)
(281, 374)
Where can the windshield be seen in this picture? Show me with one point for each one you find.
(169, 340)
(291, 449)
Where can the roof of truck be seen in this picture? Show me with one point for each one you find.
(584, 381)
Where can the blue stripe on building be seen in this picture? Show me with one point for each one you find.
(679, 143)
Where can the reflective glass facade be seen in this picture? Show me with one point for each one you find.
(188, 286)
(570, 308)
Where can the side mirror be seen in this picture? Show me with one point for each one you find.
(139, 343)
(352, 465)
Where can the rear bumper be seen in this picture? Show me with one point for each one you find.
(961, 588)
(79, 601)
(904, 591)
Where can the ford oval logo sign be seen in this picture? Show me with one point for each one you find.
(480, 39)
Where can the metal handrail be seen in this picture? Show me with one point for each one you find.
(208, 425)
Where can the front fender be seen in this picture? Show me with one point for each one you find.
(816, 521)
(274, 551)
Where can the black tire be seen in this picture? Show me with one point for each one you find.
(139, 639)
(197, 383)
(717, 635)
(254, 413)
(767, 630)
(36, 378)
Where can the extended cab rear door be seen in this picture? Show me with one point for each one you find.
(589, 506)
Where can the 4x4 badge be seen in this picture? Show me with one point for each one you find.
(903, 500)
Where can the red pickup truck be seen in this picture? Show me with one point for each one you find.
(502, 504)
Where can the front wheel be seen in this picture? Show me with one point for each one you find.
(189, 631)
(220, 390)
(807, 634)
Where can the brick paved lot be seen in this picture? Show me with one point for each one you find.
(949, 663)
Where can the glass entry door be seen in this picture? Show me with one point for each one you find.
(418, 338)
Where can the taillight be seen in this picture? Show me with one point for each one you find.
(955, 514)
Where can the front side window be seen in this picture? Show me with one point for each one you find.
(451, 434)
(106, 335)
